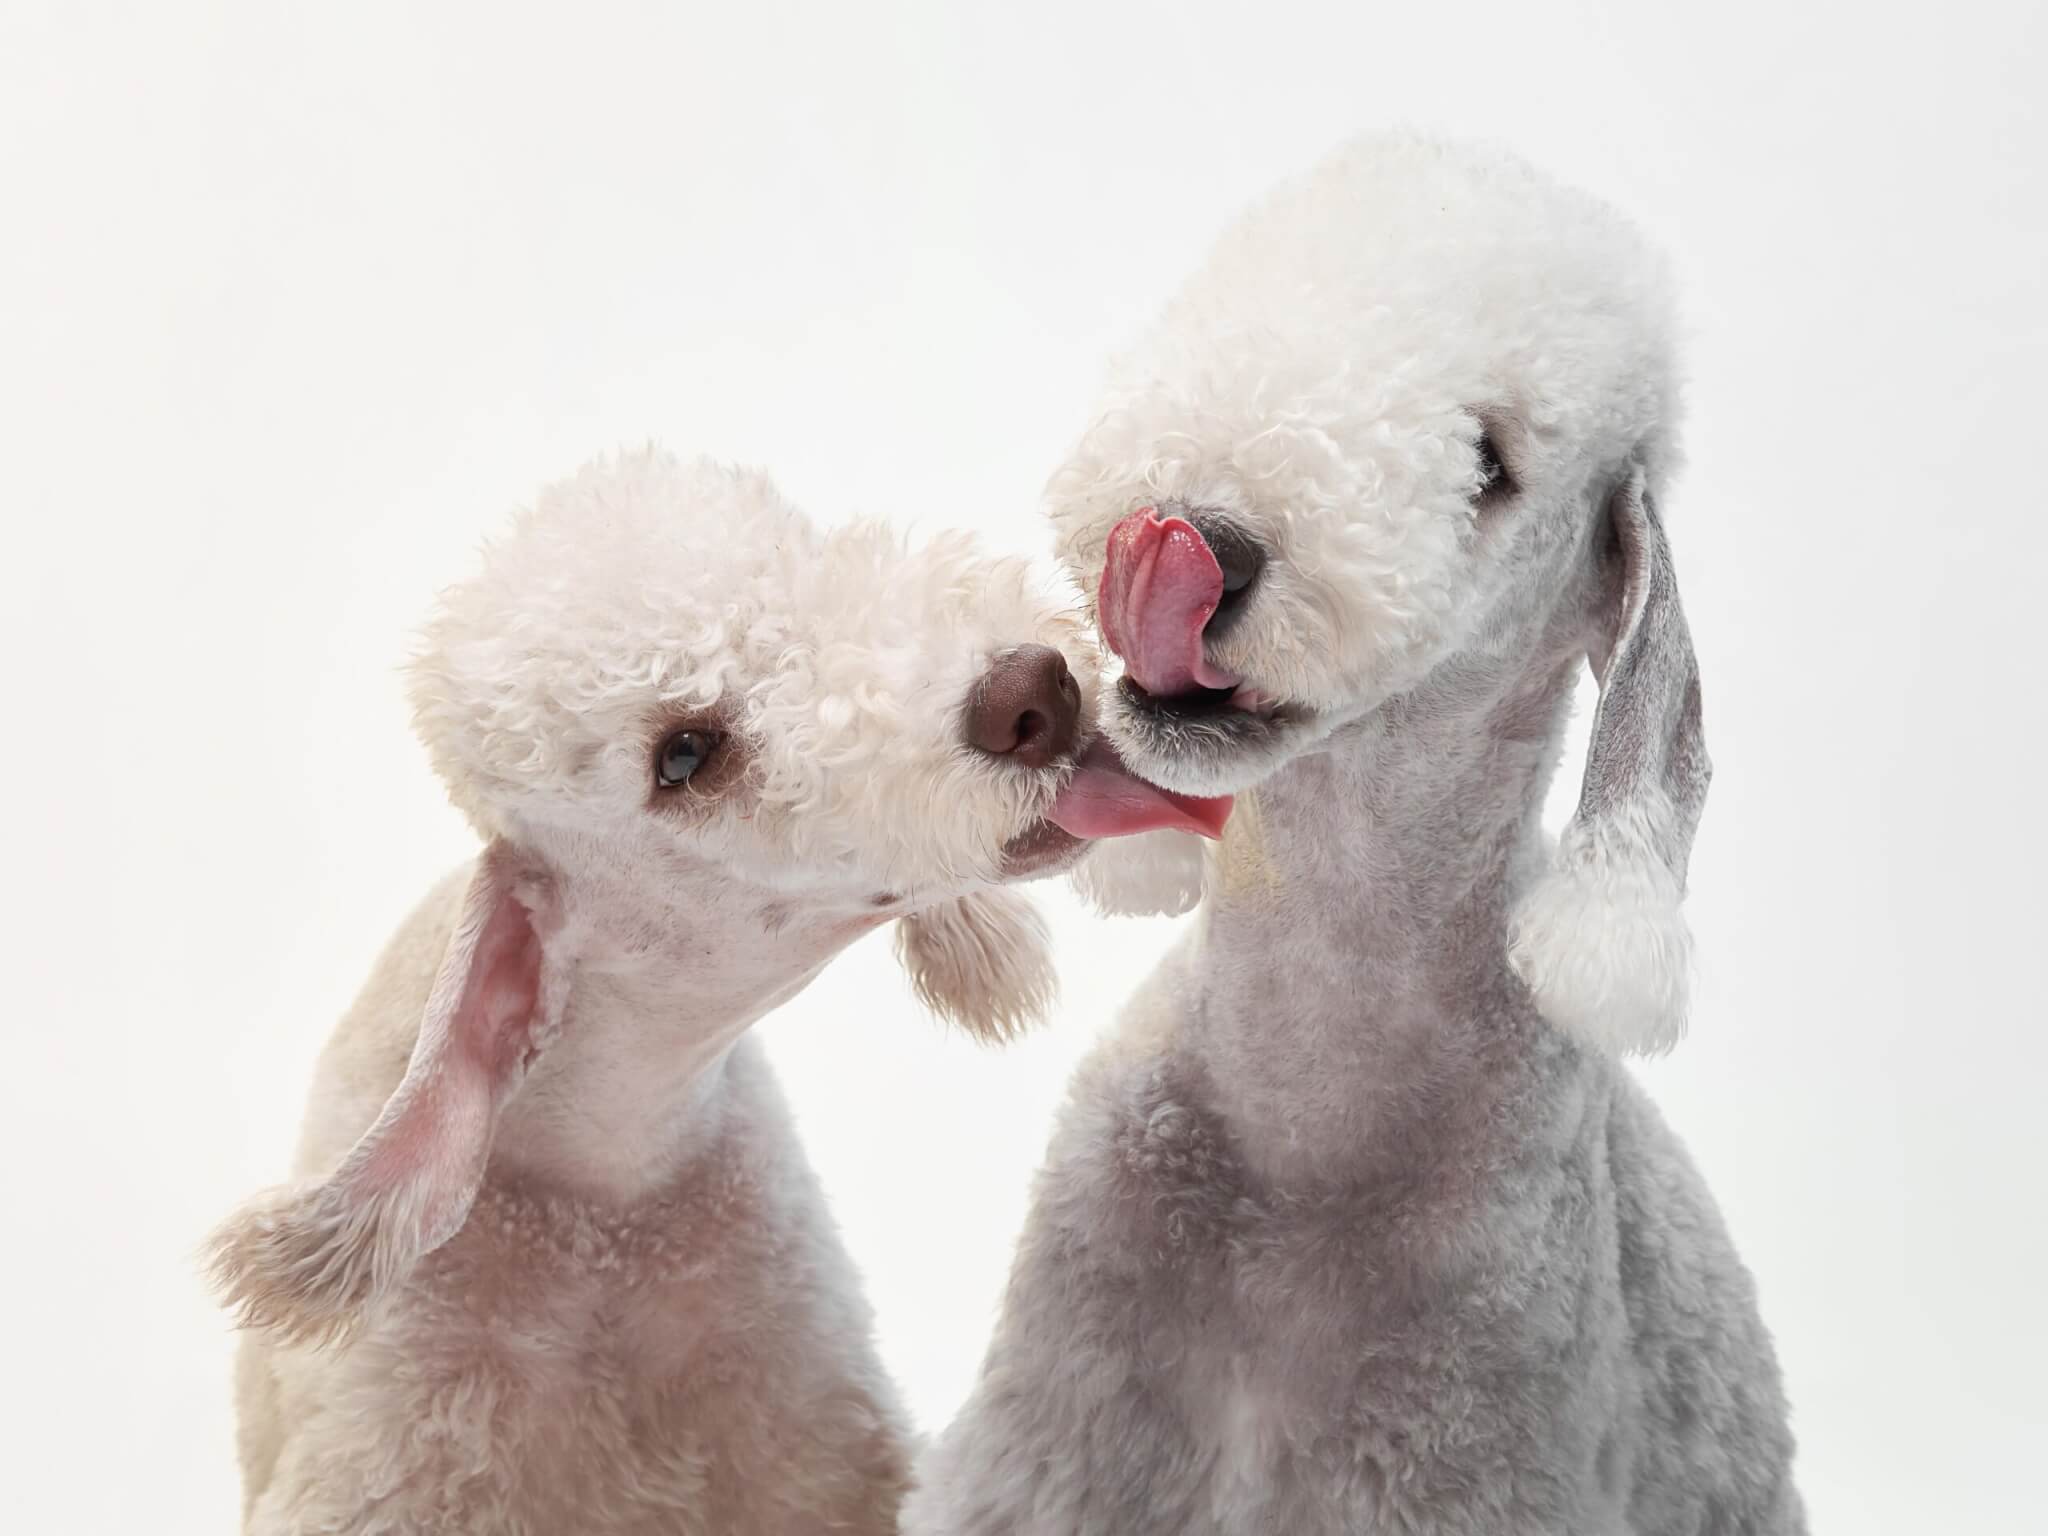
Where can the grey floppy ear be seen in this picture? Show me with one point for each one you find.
(984, 961)
(1599, 938)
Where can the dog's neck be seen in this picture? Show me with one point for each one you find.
(633, 1089)
(1352, 976)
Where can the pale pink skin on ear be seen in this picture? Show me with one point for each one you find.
(462, 1072)
(308, 1261)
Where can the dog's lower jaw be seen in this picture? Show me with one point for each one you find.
(1040, 851)
(1204, 743)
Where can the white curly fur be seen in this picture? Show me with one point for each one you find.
(992, 945)
(1356, 1224)
(553, 1260)
(1316, 380)
(642, 584)
(1156, 874)
(1600, 939)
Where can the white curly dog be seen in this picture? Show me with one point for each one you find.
(556, 1262)
(1356, 1224)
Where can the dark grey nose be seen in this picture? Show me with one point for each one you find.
(1241, 559)
(1027, 707)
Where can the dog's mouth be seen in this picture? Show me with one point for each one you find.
(1241, 709)
(1169, 586)
(1102, 798)
(1043, 848)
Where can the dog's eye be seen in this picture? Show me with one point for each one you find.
(1492, 476)
(682, 755)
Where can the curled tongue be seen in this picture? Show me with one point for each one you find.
(1102, 799)
(1159, 588)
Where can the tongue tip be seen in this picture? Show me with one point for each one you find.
(1104, 799)
(1203, 815)
(1209, 815)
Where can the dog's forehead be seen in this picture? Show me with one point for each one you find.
(872, 586)
(1412, 282)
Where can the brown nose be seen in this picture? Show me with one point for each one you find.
(1027, 707)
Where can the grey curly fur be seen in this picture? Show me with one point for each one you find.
(1356, 1224)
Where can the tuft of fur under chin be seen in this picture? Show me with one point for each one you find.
(982, 961)
(1153, 874)
(1600, 940)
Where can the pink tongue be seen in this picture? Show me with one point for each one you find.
(1103, 800)
(1159, 588)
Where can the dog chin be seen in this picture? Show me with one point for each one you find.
(1202, 744)
(1040, 851)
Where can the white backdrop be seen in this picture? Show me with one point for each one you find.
(293, 308)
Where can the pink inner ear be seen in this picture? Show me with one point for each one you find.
(476, 1040)
(494, 1021)
(310, 1261)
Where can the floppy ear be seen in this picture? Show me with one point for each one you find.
(983, 961)
(308, 1259)
(1150, 874)
(1599, 939)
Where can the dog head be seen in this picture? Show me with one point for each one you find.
(1414, 413)
(686, 720)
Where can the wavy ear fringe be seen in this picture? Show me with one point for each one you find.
(1601, 943)
(983, 961)
(1598, 938)
(308, 1261)
(1153, 874)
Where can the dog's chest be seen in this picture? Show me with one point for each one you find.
(541, 1366)
(541, 1288)
(1338, 1375)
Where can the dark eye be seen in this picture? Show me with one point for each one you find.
(1492, 476)
(682, 755)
